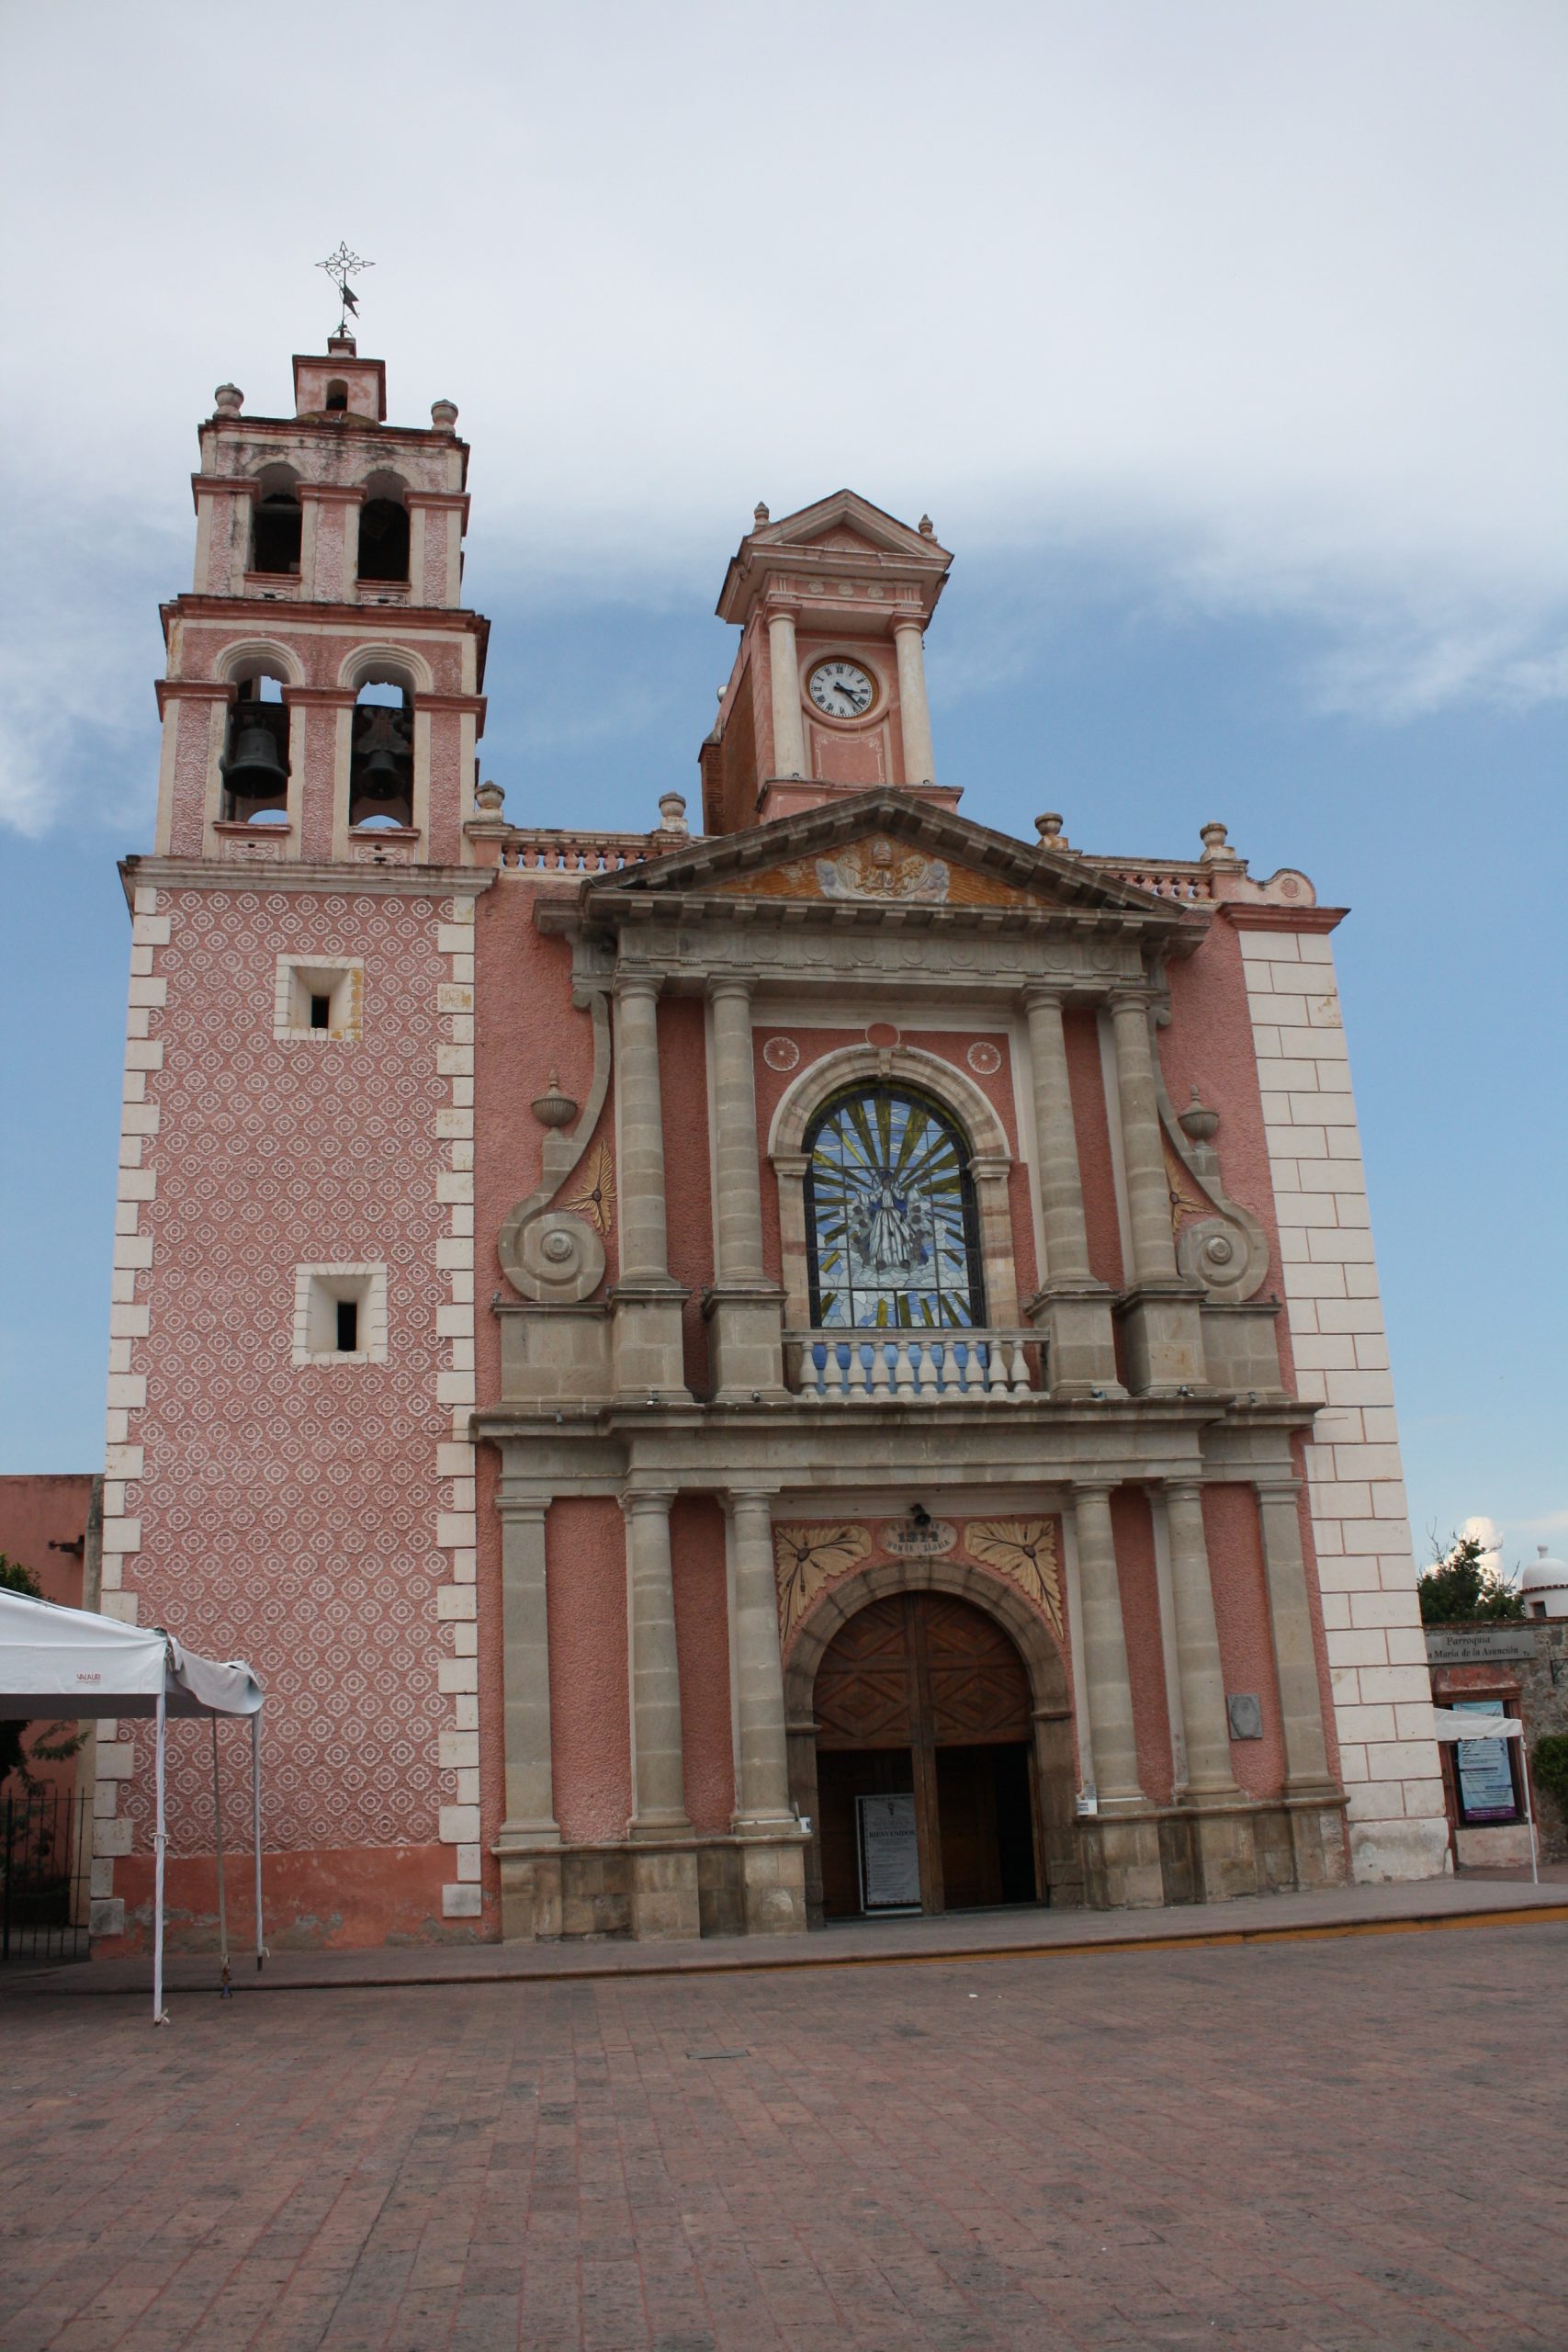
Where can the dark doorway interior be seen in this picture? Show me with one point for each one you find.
(844, 1774)
(988, 1827)
(924, 1693)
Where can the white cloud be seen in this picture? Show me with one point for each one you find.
(1257, 302)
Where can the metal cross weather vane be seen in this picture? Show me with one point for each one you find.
(340, 268)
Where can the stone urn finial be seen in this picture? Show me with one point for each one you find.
(927, 527)
(759, 515)
(554, 1109)
(1215, 839)
(490, 799)
(1197, 1122)
(228, 400)
(443, 415)
(1049, 828)
(672, 813)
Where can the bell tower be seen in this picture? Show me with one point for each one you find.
(323, 697)
(292, 1335)
(828, 695)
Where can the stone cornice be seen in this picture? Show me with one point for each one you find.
(456, 621)
(690, 875)
(1253, 915)
(291, 874)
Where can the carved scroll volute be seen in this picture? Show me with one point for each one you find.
(1227, 1252)
(555, 1256)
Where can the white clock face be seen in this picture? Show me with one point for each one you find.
(841, 688)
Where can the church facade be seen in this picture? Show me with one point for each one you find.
(722, 1379)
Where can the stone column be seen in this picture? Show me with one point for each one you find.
(1163, 1336)
(659, 1792)
(1143, 1154)
(1081, 1354)
(1209, 1775)
(526, 1846)
(743, 1306)
(735, 1119)
(1121, 1841)
(1108, 1699)
(1296, 1657)
(789, 730)
(646, 1303)
(663, 1868)
(914, 713)
(763, 1791)
(644, 1245)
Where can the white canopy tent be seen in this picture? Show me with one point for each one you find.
(69, 1662)
(1452, 1727)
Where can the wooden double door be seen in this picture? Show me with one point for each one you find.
(923, 1706)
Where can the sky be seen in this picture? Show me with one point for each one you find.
(1224, 343)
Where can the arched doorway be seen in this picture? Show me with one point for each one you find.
(925, 1754)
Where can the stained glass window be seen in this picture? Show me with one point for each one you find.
(891, 1229)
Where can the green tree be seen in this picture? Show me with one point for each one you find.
(1458, 1588)
(62, 1743)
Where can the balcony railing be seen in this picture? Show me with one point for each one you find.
(915, 1367)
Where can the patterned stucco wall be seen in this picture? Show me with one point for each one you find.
(314, 1519)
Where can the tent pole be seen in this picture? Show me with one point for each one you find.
(1529, 1812)
(255, 1827)
(160, 1838)
(218, 1845)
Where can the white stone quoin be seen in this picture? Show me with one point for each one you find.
(1366, 1568)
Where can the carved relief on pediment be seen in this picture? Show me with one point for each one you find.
(880, 870)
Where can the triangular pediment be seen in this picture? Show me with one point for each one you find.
(892, 850)
(847, 521)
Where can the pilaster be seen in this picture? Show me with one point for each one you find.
(645, 1302)
(1295, 1658)
(744, 1309)
(1071, 1307)
(530, 1900)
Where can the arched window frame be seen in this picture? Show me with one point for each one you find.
(971, 1293)
(990, 1164)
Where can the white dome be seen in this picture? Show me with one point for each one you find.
(1543, 1571)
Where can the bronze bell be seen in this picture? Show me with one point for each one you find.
(253, 770)
(381, 777)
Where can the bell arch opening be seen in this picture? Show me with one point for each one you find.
(380, 770)
(932, 1749)
(254, 760)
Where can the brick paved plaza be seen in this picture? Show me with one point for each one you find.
(1351, 2146)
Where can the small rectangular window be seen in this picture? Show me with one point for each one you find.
(318, 998)
(340, 1314)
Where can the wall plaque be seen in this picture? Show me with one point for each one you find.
(889, 1853)
(907, 1541)
(1477, 1644)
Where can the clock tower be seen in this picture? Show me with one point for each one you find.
(828, 695)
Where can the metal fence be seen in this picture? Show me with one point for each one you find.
(46, 1847)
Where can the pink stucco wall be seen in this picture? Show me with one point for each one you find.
(589, 1724)
(1138, 1578)
(1241, 1609)
(702, 1629)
